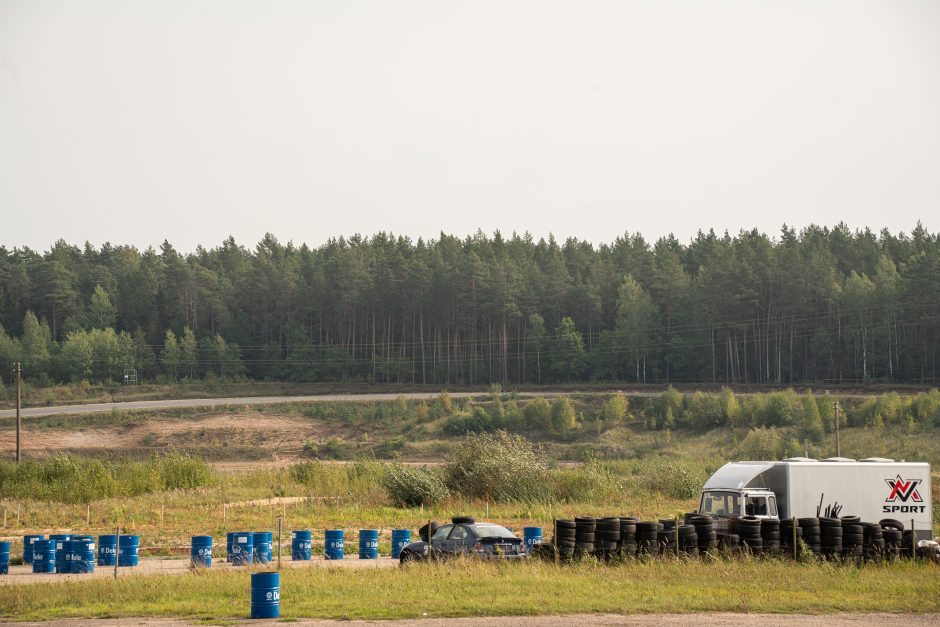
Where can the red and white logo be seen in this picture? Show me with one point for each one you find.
(903, 490)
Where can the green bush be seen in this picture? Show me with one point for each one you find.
(673, 479)
(69, 479)
(593, 481)
(412, 487)
(497, 466)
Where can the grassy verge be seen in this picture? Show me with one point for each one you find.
(497, 589)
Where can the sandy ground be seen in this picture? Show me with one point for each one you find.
(176, 566)
(635, 620)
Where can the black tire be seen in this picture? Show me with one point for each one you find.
(829, 522)
(890, 523)
(465, 520)
(407, 557)
(852, 520)
(423, 531)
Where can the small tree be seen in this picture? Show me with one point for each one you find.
(170, 357)
(101, 313)
(563, 418)
(614, 408)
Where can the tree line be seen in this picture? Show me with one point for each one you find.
(814, 305)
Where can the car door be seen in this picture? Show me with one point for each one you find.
(456, 543)
(439, 540)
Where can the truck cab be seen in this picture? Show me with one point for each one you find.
(727, 503)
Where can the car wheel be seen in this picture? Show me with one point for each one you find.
(407, 557)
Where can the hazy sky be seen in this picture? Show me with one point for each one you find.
(138, 121)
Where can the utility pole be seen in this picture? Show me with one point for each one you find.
(18, 369)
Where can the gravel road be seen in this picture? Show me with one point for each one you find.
(605, 620)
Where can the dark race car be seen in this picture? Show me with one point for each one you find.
(464, 536)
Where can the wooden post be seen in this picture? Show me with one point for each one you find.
(88, 514)
(913, 540)
(677, 537)
(279, 543)
(794, 539)
(555, 542)
(117, 548)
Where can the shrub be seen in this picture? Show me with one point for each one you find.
(497, 466)
(538, 414)
(183, 472)
(704, 411)
(673, 479)
(593, 481)
(614, 408)
(477, 421)
(763, 444)
(412, 487)
(563, 419)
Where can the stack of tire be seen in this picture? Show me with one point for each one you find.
(786, 536)
(585, 527)
(728, 542)
(853, 537)
(831, 533)
(666, 536)
(688, 540)
(627, 546)
(811, 533)
(647, 538)
(873, 540)
(749, 532)
(770, 535)
(565, 538)
(606, 537)
(892, 535)
(704, 532)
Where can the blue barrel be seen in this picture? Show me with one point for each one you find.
(368, 544)
(333, 544)
(263, 548)
(81, 555)
(530, 536)
(228, 546)
(300, 543)
(107, 550)
(61, 552)
(400, 539)
(200, 553)
(4, 558)
(44, 556)
(242, 548)
(265, 595)
(28, 547)
(128, 550)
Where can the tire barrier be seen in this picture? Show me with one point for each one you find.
(749, 534)
(831, 533)
(811, 534)
(628, 535)
(606, 537)
(770, 535)
(584, 531)
(647, 538)
(705, 532)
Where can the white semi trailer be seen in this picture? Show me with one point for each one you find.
(873, 489)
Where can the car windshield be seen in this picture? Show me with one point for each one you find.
(487, 530)
(441, 533)
(716, 503)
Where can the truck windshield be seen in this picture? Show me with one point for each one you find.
(719, 503)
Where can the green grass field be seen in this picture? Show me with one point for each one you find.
(478, 589)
